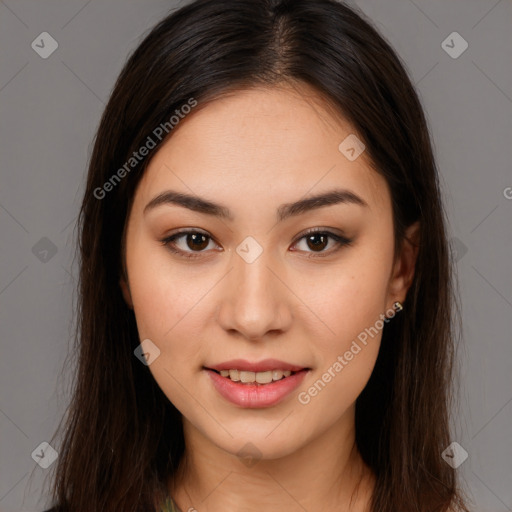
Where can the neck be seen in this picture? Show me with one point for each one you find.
(326, 474)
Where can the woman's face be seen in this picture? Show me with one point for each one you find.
(250, 283)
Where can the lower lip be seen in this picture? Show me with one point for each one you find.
(256, 395)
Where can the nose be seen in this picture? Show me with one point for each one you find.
(255, 301)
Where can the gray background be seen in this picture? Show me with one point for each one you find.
(50, 109)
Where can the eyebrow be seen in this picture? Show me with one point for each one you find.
(286, 210)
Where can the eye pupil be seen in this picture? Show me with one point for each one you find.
(317, 245)
(195, 237)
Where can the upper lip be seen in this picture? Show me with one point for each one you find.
(260, 366)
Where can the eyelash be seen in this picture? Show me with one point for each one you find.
(340, 240)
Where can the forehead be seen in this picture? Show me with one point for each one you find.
(260, 143)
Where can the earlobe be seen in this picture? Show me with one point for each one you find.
(126, 292)
(403, 272)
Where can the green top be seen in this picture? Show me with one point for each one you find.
(170, 506)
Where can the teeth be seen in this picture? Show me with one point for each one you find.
(247, 376)
(259, 377)
(264, 377)
(277, 374)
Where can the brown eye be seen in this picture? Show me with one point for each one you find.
(317, 241)
(192, 243)
(189, 244)
(197, 241)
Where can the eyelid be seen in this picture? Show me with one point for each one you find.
(167, 242)
(333, 232)
(340, 239)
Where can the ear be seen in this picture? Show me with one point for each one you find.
(123, 283)
(403, 271)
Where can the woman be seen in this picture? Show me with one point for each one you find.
(265, 286)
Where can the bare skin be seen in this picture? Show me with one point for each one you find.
(299, 302)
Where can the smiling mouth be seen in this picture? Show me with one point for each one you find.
(255, 390)
(248, 377)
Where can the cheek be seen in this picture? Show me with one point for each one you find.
(350, 303)
(168, 310)
(349, 299)
(167, 302)
(346, 359)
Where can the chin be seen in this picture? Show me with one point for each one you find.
(264, 443)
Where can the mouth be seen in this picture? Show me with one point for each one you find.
(255, 378)
(255, 389)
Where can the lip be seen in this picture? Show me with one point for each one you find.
(260, 366)
(255, 396)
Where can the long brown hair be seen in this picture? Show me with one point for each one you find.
(122, 439)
